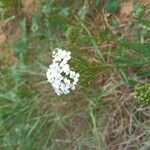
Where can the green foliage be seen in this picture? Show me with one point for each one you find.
(139, 11)
(142, 92)
(22, 43)
(126, 61)
(141, 57)
(89, 72)
(76, 35)
(50, 19)
(141, 48)
(144, 74)
(143, 23)
(73, 34)
(113, 6)
(86, 71)
(99, 3)
(8, 3)
(83, 11)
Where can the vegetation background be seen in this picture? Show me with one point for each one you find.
(110, 44)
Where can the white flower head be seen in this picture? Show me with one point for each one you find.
(59, 74)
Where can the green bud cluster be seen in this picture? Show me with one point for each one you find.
(142, 92)
(72, 33)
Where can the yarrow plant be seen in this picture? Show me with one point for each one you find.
(62, 78)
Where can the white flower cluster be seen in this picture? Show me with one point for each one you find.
(63, 79)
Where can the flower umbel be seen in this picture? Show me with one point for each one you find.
(59, 73)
